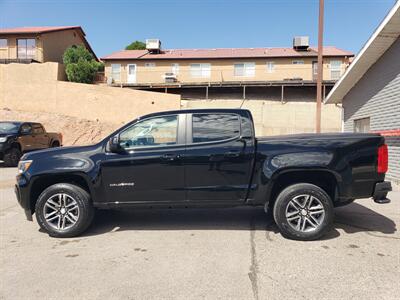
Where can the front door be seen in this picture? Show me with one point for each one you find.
(218, 158)
(131, 73)
(150, 170)
(26, 138)
(314, 70)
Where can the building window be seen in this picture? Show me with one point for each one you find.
(200, 70)
(245, 69)
(361, 125)
(175, 69)
(3, 43)
(270, 66)
(335, 69)
(298, 62)
(150, 65)
(116, 72)
(26, 48)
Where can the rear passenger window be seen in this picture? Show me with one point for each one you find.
(214, 127)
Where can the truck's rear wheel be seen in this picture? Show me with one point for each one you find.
(12, 157)
(303, 212)
(64, 210)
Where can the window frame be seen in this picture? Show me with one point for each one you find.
(6, 46)
(268, 64)
(180, 132)
(189, 129)
(200, 69)
(175, 68)
(112, 73)
(245, 69)
(150, 65)
(26, 48)
(359, 121)
(335, 69)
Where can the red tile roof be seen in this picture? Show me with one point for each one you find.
(225, 53)
(40, 29)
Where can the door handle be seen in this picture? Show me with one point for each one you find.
(232, 154)
(170, 157)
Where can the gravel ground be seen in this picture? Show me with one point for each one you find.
(200, 253)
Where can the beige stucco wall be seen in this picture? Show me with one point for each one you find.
(35, 88)
(276, 118)
(223, 69)
(11, 51)
(49, 46)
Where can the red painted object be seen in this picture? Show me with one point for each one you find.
(383, 158)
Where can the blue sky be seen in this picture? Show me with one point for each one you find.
(111, 25)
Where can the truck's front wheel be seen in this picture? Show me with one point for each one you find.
(64, 210)
(303, 212)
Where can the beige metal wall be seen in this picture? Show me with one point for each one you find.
(275, 118)
(223, 69)
(35, 88)
(49, 46)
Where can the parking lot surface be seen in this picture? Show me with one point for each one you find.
(200, 253)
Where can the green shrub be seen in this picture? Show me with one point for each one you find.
(80, 65)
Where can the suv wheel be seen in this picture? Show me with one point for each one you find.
(12, 157)
(64, 210)
(303, 212)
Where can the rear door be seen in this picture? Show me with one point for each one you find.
(218, 159)
(40, 137)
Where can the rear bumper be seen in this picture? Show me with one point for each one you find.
(380, 192)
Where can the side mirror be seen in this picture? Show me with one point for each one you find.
(114, 144)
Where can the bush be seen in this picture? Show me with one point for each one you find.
(80, 65)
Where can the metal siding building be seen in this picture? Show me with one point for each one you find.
(377, 96)
(370, 89)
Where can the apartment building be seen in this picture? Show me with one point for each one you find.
(39, 44)
(236, 72)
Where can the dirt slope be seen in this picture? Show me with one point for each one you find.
(75, 131)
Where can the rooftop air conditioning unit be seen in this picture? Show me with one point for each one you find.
(153, 45)
(170, 77)
(301, 43)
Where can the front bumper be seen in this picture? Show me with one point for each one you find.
(380, 192)
(22, 193)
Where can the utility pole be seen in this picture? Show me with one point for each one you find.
(320, 70)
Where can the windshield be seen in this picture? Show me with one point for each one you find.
(8, 127)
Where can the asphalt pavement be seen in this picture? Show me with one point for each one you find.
(200, 254)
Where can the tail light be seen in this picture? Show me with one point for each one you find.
(383, 159)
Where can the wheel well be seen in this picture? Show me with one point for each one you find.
(323, 179)
(44, 182)
(16, 145)
(55, 142)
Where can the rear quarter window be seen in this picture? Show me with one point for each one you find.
(214, 127)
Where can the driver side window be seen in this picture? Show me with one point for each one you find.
(158, 131)
(26, 129)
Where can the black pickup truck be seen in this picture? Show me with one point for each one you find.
(204, 158)
(17, 138)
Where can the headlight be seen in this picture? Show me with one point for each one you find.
(3, 139)
(23, 166)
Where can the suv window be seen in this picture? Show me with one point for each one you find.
(37, 129)
(158, 131)
(214, 127)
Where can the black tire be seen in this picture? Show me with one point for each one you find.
(55, 144)
(318, 197)
(82, 200)
(12, 157)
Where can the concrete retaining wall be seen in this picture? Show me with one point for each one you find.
(275, 118)
(36, 88)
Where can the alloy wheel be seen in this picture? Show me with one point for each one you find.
(305, 213)
(61, 211)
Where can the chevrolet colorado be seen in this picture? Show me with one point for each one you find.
(17, 138)
(204, 158)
